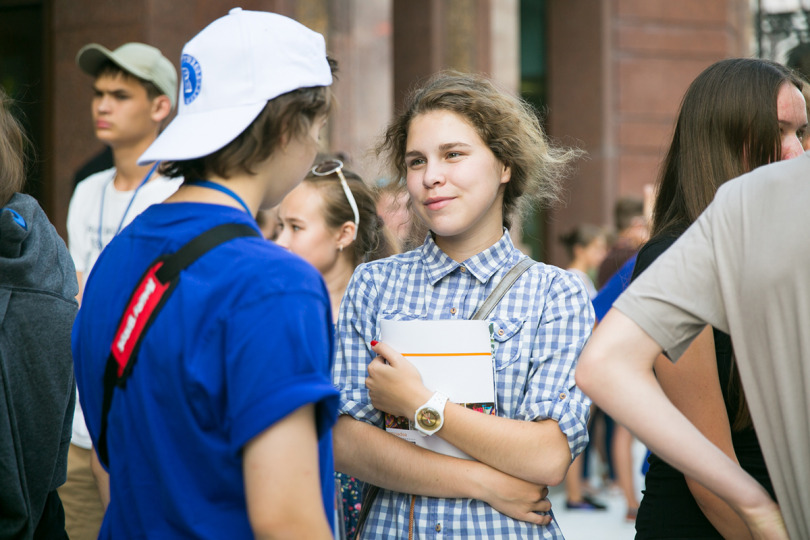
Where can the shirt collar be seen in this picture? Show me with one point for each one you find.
(482, 266)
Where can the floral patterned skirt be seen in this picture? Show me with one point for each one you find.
(351, 496)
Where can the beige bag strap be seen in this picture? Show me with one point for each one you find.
(506, 283)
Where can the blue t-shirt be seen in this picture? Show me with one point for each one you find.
(244, 340)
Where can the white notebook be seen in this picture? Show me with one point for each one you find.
(454, 357)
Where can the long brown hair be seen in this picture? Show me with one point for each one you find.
(727, 126)
(13, 144)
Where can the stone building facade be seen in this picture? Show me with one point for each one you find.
(614, 72)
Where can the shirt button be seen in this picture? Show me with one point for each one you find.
(562, 395)
(500, 332)
(438, 527)
(452, 311)
(463, 269)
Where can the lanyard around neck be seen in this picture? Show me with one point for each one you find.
(222, 189)
(126, 210)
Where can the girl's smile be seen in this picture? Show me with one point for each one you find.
(456, 183)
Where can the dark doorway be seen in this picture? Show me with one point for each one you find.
(22, 76)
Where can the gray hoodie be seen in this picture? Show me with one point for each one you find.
(37, 390)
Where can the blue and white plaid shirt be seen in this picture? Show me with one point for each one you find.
(540, 327)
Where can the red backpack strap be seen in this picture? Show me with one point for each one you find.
(153, 290)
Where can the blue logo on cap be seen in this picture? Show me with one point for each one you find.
(192, 78)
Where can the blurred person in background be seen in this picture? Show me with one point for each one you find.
(614, 442)
(586, 246)
(392, 206)
(134, 92)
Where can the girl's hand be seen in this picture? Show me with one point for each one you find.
(394, 384)
(516, 498)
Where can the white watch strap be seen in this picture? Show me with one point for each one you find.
(437, 401)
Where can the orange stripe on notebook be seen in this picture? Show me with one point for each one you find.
(449, 354)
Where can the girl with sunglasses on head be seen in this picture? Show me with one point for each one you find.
(472, 157)
(331, 221)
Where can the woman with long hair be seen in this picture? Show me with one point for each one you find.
(737, 115)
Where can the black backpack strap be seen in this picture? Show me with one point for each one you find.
(151, 293)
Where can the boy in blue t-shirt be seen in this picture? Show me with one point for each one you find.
(223, 427)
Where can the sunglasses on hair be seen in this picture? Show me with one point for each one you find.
(336, 166)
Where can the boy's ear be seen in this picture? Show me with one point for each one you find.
(284, 137)
(161, 108)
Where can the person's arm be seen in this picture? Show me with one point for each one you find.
(77, 242)
(547, 428)
(536, 451)
(80, 281)
(375, 456)
(364, 450)
(282, 482)
(101, 477)
(615, 370)
(693, 386)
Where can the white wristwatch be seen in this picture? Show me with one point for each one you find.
(429, 418)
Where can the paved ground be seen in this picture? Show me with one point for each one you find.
(598, 525)
(593, 525)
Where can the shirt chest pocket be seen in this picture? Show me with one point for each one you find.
(401, 315)
(506, 335)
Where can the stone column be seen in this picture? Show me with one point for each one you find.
(359, 37)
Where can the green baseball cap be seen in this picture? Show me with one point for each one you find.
(139, 59)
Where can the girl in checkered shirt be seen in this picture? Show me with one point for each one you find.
(472, 158)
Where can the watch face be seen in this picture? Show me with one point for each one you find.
(429, 418)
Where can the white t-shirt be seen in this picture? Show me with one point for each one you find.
(85, 211)
(744, 267)
(83, 233)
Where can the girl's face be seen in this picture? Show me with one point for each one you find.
(595, 252)
(455, 181)
(791, 112)
(303, 230)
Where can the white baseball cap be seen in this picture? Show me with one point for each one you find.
(229, 71)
